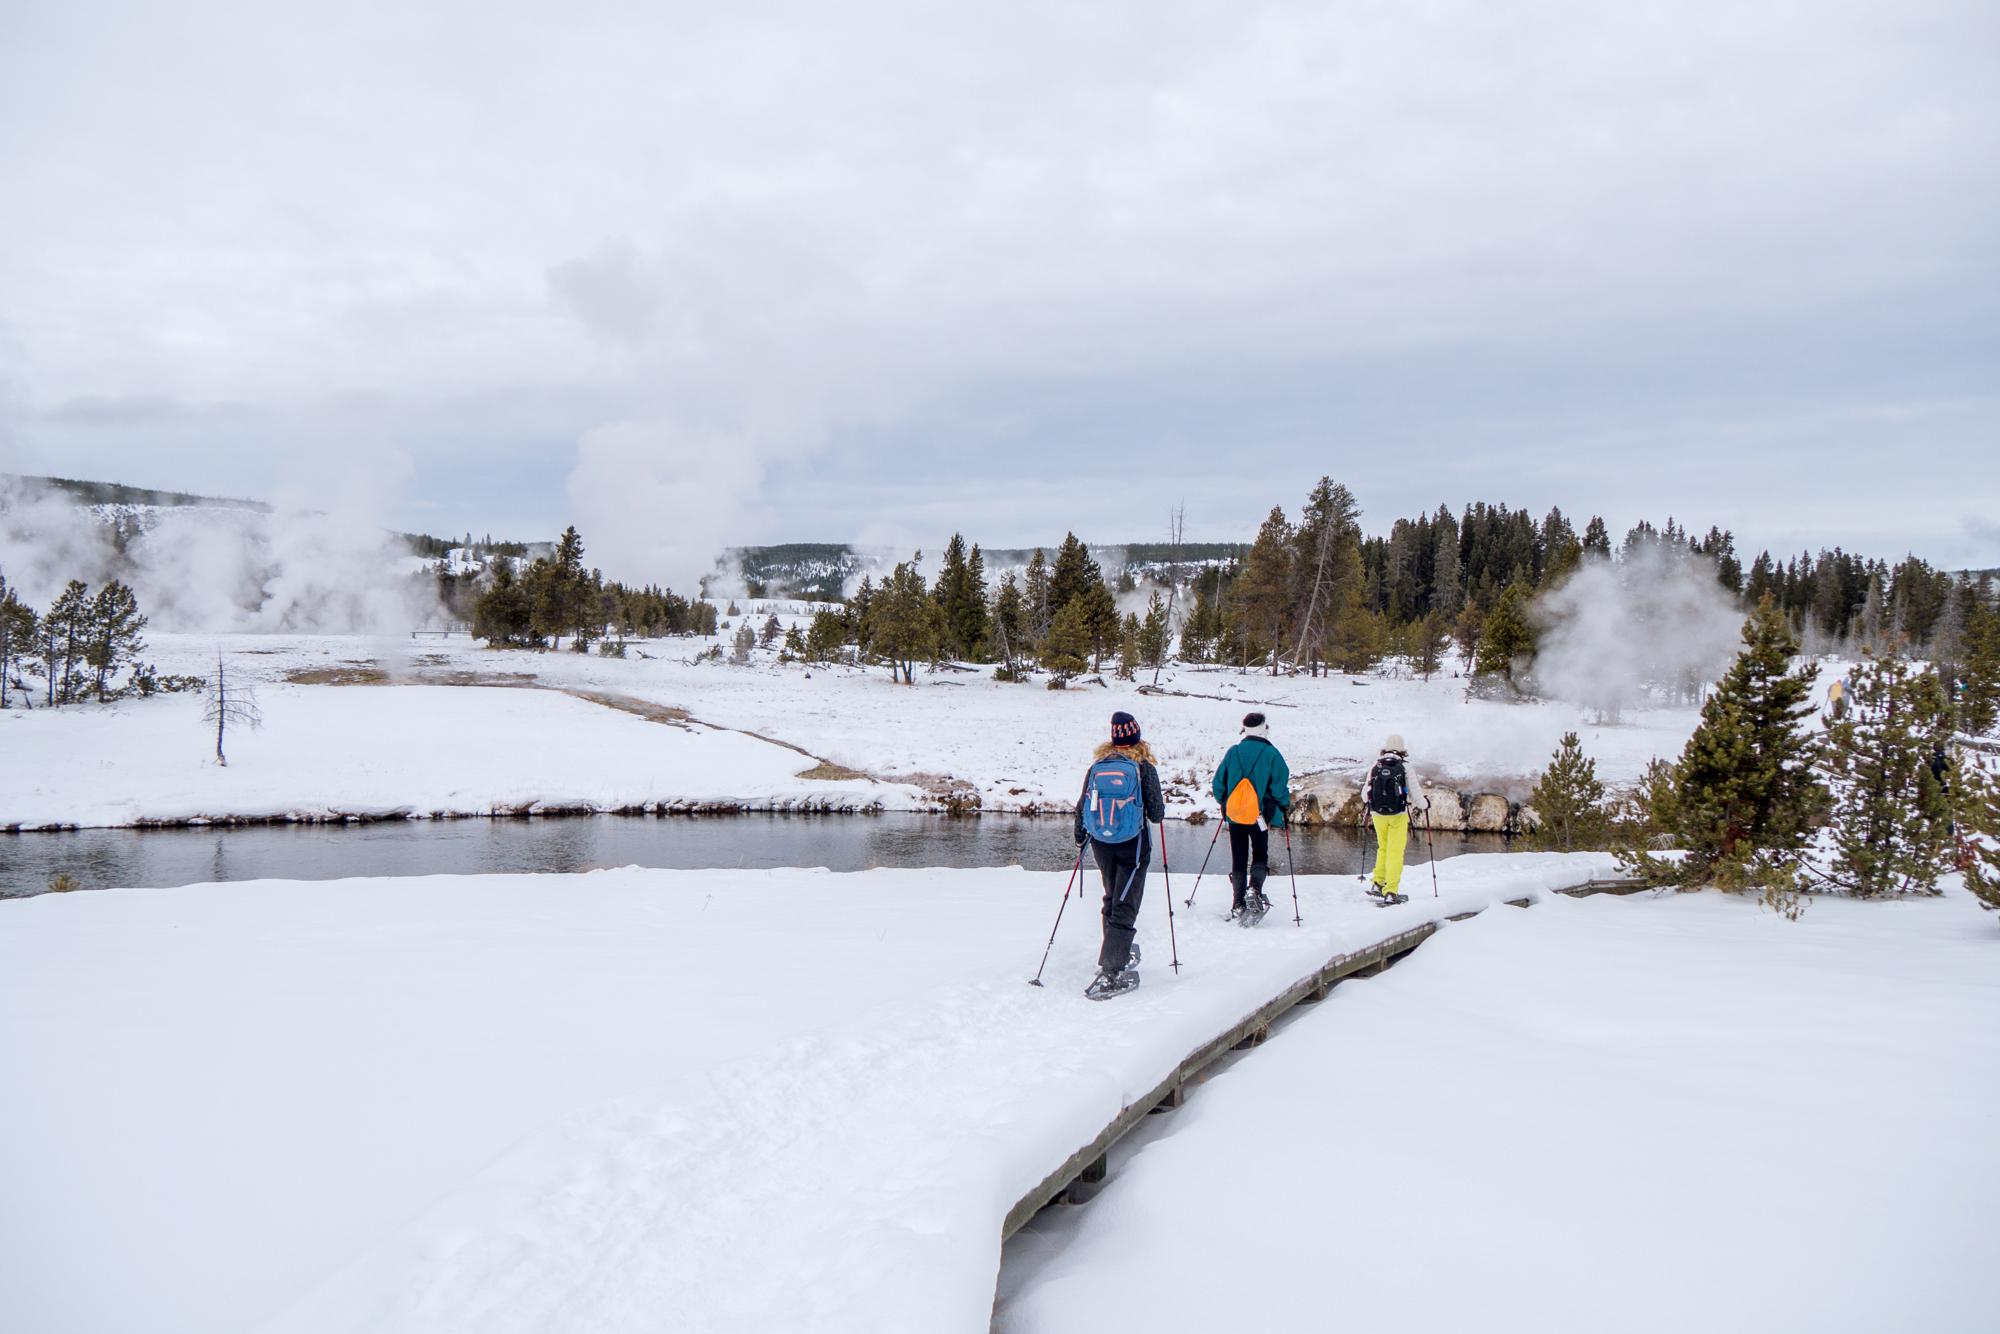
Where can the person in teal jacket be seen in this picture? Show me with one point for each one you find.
(1253, 787)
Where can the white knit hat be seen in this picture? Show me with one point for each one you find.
(1256, 724)
(1395, 743)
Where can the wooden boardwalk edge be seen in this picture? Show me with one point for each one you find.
(1080, 1173)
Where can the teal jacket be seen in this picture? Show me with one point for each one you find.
(1258, 760)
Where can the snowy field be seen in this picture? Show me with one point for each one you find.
(620, 1101)
(331, 751)
(1016, 746)
(1652, 1114)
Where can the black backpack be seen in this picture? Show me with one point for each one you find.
(1388, 788)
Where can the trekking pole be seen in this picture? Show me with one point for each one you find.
(1204, 865)
(1430, 842)
(1292, 869)
(1036, 980)
(1166, 874)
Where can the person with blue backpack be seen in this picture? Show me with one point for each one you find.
(1121, 798)
(1254, 789)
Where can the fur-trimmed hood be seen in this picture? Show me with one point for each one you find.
(1141, 752)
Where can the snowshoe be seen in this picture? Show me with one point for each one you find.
(1376, 891)
(1391, 900)
(1111, 982)
(1254, 909)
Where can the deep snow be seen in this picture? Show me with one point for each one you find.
(616, 1101)
(331, 751)
(1650, 1114)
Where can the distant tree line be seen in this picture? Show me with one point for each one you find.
(556, 598)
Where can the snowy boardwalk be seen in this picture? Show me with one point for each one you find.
(702, 1101)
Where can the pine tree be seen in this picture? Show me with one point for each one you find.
(114, 644)
(772, 630)
(1128, 647)
(795, 643)
(1010, 622)
(1507, 640)
(1447, 583)
(1890, 819)
(1428, 642)
(1155, 633)
(1100, 612)
(1067, 649)
(1262, 592)
(825, 635)
(1035, 597)
(1975, 804)
(746, 640)
(1569, 801)
(860, 610)
(1744, 795)
(904, 624)
(60, 641)
(1467, 630)
(961, 596)
(17, 639)
(502, 614)
(1075, 574)
(1978, 695)
(1328, 577)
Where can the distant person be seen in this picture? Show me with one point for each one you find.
(1391, 794)
(1253, 787)
(1121, 800)
(1940, 765)
(1836, 699)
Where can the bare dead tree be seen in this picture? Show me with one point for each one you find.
(1176, 525)
(228, 705)
(1318, 583)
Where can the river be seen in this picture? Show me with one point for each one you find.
(155, 858)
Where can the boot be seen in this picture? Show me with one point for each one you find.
(1111, 982)
(1236, 888)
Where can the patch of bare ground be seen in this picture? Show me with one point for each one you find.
(632, 704)
(954, 795)
(829, 772)
(346, 674)
(461, 677)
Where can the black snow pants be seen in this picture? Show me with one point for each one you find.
(1249, 859)
(1123, 866)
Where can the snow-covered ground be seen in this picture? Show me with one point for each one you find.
(1655, 1114)
(620, 1101)
(1016, 746)
(371, 751)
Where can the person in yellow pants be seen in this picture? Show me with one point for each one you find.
(1392, 794)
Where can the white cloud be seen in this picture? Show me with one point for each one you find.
(1537, 247)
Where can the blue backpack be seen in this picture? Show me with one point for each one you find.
(1112, 811)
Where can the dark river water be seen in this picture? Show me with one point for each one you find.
(107, 858)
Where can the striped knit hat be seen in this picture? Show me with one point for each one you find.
(1124, 729)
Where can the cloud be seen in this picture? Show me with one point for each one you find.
(1625, 258)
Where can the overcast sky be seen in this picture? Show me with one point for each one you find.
(705, 273)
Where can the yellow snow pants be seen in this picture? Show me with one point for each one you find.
(1392, 832)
